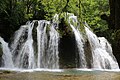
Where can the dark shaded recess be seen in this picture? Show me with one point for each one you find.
(116, 47)
(67, 46)
(7, 29)
(34, 34)
(116, 44)
(1, 55)
(67, 52)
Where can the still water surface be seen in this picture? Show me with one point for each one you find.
(70, 74)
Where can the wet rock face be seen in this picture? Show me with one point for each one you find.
(34, 34)
(67, 52)
(1, 55)
(88, 54)
(68, 55)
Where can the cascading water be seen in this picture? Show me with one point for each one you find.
(22, 49)
(35, 45)
(53, 57)
(6, 57)
(102, 58)
(42, 43)
(47, 48)
(79, 39)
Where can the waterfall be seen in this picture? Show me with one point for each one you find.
(47, 45)
(101, 52)
(53, 47)
(22, 49)
(36, 45)
(7, 56)
(42, 43)
(79, 38)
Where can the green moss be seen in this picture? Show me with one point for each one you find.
(64, 28)
(64, 25)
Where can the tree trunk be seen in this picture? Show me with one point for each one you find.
(115, 23)
(117, 14)
(111, 19)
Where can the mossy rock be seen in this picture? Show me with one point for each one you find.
(64, 28)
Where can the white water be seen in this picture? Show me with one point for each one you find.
(47, 48)
(102, 58)
(42, 43)
(26, 53)
(52, 51)
(6, 57)
(22, 49)
(79, 42)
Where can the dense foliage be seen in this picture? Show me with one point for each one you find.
(14, 13)
(92, 10)
(18, 11)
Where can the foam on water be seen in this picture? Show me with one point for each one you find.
(31, 70)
